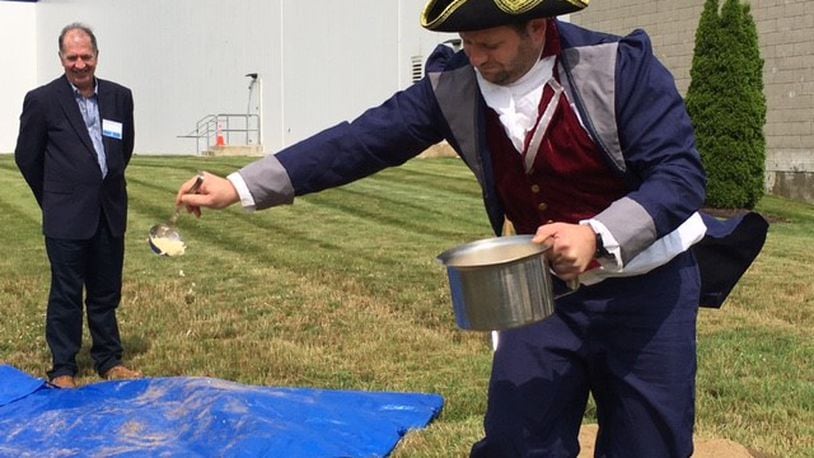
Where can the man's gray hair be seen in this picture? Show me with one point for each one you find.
(78, 26)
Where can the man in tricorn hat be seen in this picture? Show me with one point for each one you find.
(582, 139)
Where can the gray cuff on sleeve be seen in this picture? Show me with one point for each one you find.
(630, 225)
(268, 182)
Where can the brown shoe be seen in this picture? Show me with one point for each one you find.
(121, 373)
(64, 381)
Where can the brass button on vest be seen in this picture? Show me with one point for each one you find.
(535, 188)
(542, 206)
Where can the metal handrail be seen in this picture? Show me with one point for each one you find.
(222, 128)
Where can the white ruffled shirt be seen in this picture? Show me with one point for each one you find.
(516, 104)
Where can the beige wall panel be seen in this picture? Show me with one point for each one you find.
(786, 36)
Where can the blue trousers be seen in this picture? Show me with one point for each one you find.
(94, 265)
(628, 342)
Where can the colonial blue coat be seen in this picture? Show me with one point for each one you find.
(627, 101)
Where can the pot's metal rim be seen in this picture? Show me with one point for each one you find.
(448, 257)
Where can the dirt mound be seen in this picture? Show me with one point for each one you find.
(713, 448)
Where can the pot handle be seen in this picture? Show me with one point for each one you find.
(573, 286)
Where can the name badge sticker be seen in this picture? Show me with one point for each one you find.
(112, 129)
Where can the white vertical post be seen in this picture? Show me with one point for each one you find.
(260, 109)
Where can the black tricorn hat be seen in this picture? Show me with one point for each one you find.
(465, 15)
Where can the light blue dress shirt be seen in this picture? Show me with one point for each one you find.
(89, 107)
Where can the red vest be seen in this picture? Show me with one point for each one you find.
(569, 181)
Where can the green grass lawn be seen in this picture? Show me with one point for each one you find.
(342, 291)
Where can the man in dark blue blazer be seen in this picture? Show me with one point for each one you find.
(76, 139)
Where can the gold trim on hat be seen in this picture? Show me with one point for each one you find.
(517, 6)
(511, 7)
(579, 3)
(448, 11)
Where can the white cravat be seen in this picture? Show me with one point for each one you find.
(517, 103)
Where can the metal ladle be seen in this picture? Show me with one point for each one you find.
(164, 237)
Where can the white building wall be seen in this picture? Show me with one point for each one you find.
(320, 61)
(18, 33)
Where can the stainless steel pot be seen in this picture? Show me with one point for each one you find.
(499, 283)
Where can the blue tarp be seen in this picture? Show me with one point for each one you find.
(196, 416)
